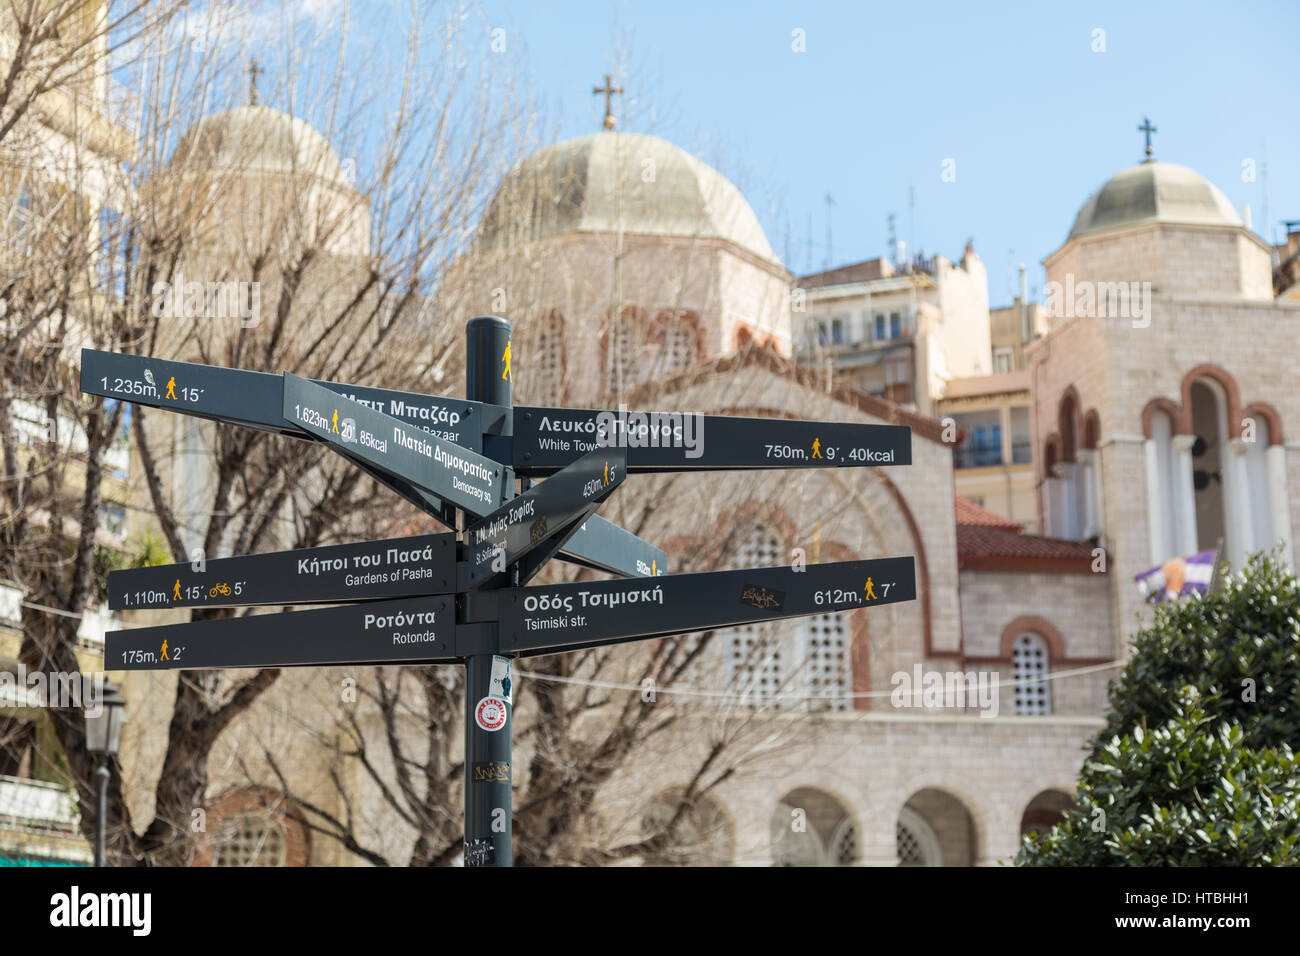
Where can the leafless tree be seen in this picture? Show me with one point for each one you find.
(331, 254)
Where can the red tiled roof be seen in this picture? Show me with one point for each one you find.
(983, 543)
(968, 512)
(986, 540)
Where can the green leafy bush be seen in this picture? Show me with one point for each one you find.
(1196, 765)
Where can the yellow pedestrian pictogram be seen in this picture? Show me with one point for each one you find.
(176, 590)
(607, 473)
(171, 389)
(871, 590)
(336, 421)
(654, 568)
(505, 357)
(164, 651)
(817, 447)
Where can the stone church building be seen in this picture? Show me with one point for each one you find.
(636, 274)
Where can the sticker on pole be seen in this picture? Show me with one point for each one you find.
(499, 686)
(490, 714)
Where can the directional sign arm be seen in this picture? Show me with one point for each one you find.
(453, 473)
(546, 439)
(550, 620)
(556, 508)
(367, 571)
(418, 629)
(601, 545)
(255, 399)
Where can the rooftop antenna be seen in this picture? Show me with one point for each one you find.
(893, 239)
(808, 259)
(911, 216)
(830, 203)
(1024, 307)
(1268, 224)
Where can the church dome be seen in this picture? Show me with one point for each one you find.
(261, 140)
(610, 182)
(1154, 192)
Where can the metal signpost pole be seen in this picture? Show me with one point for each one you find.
(488, 706)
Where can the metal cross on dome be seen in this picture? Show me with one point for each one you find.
(254, 71)
(1148, 129)
(609, 89)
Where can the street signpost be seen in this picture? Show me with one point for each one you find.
(460, 597)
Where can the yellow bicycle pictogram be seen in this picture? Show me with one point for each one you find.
(222, 589)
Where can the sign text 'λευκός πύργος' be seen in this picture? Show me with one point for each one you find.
(546, 439)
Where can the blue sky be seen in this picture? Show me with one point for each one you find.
(1012, 92)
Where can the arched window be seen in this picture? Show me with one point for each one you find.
(678, 349)
(1029, 668)
(915, 839)
(1212, 475)
(1068, 476)
(811, 828)
(625, 347)
(249, 838)
(545, 365)
(934, 828)
(702, 837)
(823, 662)
(1215, 474)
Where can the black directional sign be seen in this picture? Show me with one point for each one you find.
(547, 439)
(390, 568)
(604, 546)
(415, 629)
(548, 620)
(255, 399)
(543, 517)
(454, 474)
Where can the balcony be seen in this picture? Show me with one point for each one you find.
(988, 455)
(34, 806)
